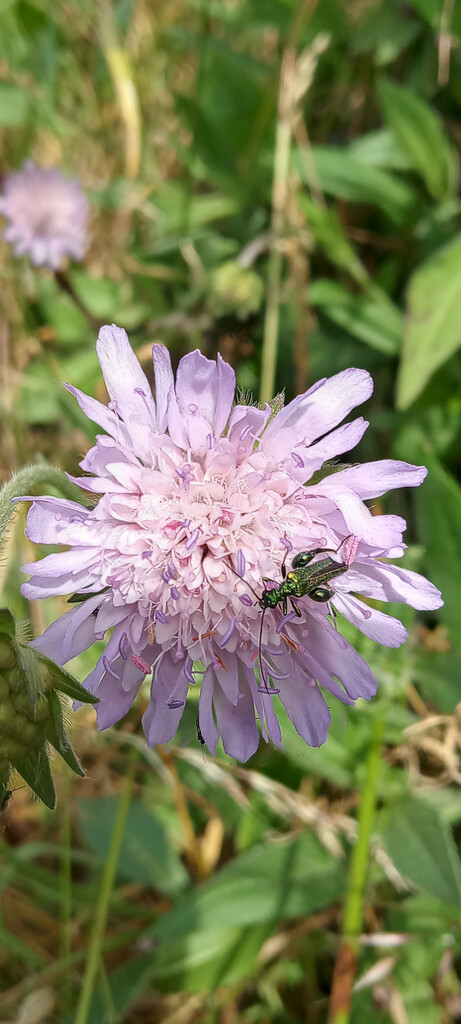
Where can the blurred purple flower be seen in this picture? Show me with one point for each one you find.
(199, 501)
(46, 215)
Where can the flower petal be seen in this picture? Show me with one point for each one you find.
(161, 719)
(372, 479)
(378, 626)
(127, 385)
(306, 707)
(394, 583)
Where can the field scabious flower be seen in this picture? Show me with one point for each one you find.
(200, 499)
(46, 215)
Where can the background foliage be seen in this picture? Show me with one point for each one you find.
(226, 904)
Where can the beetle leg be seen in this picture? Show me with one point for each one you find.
(296, 608)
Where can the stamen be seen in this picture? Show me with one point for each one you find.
(269, 690)
(229, 633)
(209, 442)
(350, 546)
(140, 663)
(218, 662)
(174, 704)
(108, 669)
(291, 643)
(165, 577)
(77, 518)
(246, 600)
(121, 646)
(172, 570)
(187, 669)
(204, 636)
(160, 616)
(286, 543)
(286, 618)
(175, 593)
(245, 432)
(298, 461)
(146, 554)
(241, 563)
(192, 540)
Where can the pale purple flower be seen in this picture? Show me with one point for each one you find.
(199, 500)
(46, 215)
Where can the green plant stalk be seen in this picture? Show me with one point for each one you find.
(346, 960)
(66, 889)
(279, 196)
(102, 907)
(285, 109)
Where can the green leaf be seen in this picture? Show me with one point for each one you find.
(146, 855)
(422, 848)
(432, 330)
(342, 175)
(56, 734)
(65, 682)
(330, 236)
(266, 883)
(35, 770)
(14, 105)
(438, 504)
(420, 133)
(7, 623)
(376, 322)
(438, 13)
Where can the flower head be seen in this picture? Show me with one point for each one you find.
(46, 215)
(202, 506)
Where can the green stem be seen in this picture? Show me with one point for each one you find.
(66, 889)
(279, 197)
(346, 961)
(102, 907)
(286, 107)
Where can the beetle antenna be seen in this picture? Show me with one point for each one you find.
(243, 580)
(262, 674)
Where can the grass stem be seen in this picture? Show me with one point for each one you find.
(102, 908)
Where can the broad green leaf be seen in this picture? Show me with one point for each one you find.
(422, 848)
(330, 236)
(380, 149)
(377, 323)
(343, 175)
(146, 855)
(420, 133)
(35, 770)
(14, 105)
(438, 504)
(432, 329)
(267, 883)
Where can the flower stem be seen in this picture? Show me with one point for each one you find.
(66, 286)
(102, 907)
(346, 960)
(286, 105)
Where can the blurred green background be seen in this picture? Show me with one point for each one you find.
(258, 171)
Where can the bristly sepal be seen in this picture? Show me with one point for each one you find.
(31, 715)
